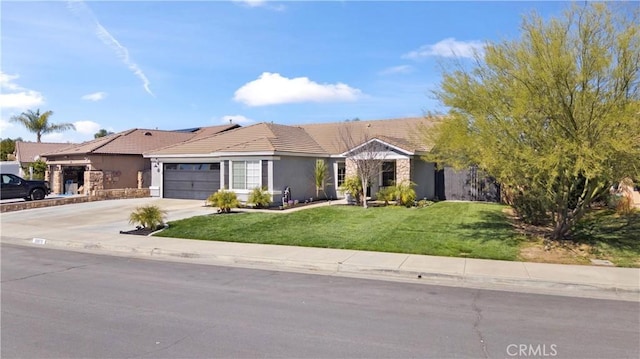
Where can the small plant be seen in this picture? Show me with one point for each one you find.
(149, 217)
(321, 176)
(405, 193)
(386, 194)
(260, 197)
(353, 186)
(224, 200)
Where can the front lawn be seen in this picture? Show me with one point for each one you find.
(611, 236)
(458, 229)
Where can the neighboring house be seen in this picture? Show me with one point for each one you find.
(28, 152)
(279, 156)
(114, 161)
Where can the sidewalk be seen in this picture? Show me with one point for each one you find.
(103, 238)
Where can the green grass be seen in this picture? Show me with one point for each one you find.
(474, 230)
(611, 236)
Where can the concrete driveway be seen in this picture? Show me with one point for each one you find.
(109, 216)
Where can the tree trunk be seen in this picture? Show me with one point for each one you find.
(365, 183)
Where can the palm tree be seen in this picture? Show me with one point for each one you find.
(39, 124)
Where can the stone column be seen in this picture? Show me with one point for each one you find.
(56, 180)
(350, 168)
(403, 170)
(93, 180)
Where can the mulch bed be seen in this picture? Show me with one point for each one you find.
(141, 231)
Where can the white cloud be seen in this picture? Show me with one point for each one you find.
(87, 127)
(402, 69)
(252, 3)
(260, 3)
(449, 47)
(6, 81)
(272, 89)
(96, 96)
(80, 9)
(237, 119)
(4, 125)
(14, 96)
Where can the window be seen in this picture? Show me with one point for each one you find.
(388, 173)
(342, 172)
(245, 174)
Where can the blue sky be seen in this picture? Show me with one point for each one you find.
(170, 65)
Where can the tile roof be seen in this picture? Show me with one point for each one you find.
(325, 138)
(338, 137)
(27, 151)
(261, 137)
(135, 141)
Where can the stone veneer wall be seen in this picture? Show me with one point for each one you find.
(403, 170)
(99, 196)
(93, 181)
(56, 181)
(350, 168)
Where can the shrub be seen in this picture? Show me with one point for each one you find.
(321, 176)
(353, 186)
(386, 194)
(150, 216)
(260, 197)
(224, 200)
(405, 193)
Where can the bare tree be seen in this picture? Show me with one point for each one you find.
(365, 152)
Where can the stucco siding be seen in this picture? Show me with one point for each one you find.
(423, 174)
(120, 171)
(296, 173)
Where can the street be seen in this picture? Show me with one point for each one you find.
(75, 305)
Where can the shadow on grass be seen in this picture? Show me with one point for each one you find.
(606, 227)
(491, 227)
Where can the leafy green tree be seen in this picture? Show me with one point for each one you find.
(102, 133)
(39, 124)
(7, 147)
(39, 169)
(150, 217)
(224, 200)
(555, 113)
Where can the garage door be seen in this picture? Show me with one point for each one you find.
(191, 180)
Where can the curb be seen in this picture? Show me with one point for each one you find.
(470, 281)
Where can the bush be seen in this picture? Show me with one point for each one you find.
(150, 216)
(424, 203)
(224, 200)
(405, 194)
(353, 186)
(260, 197)
(386, 194)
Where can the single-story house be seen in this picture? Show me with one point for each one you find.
(114, 161)
(28, 152)
(277, 157)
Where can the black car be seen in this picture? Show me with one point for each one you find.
(16, 187)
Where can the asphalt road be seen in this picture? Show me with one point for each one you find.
(74, 305)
